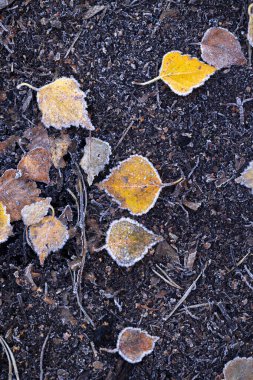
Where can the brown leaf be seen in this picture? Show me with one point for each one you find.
(220, 48)
(8, 143)
(35, 165)
(38, 137)
(16, 192)
(133, 344)
(35, 212)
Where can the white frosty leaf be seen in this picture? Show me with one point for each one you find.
(96, 156)
(35, 212)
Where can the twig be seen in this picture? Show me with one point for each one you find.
(187, 293)
(42, 354)
(73, 43)
(11, 359)
(124, 134)
(239, 262)
(164, 276)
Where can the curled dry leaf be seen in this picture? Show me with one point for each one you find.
(250, 25)
(239, 369)
(128, 241)
(246, 178)
(49, 235)
(133, 344)
(59, 148)
(16, 192)
(35, 165)
(62, 104)
(35, 212)
(96, 156)
(134, 184)
(220, 48)
(5, 226)
(182, 73)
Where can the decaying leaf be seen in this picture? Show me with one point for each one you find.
(7, 144)
(182, 73)
(246, 178)
(5, 226)
(96, 156)
(239, 369)
(35, 165)
(16, 192)
(35, 212)
(250, 25)
(133, 344)
(128, 241)
(134, 184)
(49, 235)
(38, 137)
(62, 104)
(220, 48)
(59, 148)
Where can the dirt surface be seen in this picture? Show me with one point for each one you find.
(198, 135)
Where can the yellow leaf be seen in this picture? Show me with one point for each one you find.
(49, 235)
(133, 344)
(62, 104)
(135, 184)
(59, 148)
(246, 178)
(128, 241)
(182, 73)
(250, 25)
(5, 226)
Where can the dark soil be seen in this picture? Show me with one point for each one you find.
(123, 43)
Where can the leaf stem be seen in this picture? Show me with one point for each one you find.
(172, 183)
(27, 85)
(148, 82)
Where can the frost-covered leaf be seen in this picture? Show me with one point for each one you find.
(239, 369)
(37, 137)
(49, 235)
(35, 165)
(35, 212)
(17, 192)
(5, 226)
(182, 73)
(246, 178)
(62, 104)
(134, 184)
(59, 148)
(133, 344)
(220, 48)
(250, 25)
(96, 156)
(128, 241)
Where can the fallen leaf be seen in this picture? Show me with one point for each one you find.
(250, 25)
(62, 104)
(128, 241)
(182, 73)
(8, 143)
(246, 178)
(35, 212)
(96, 156)
(5, 226)
(192, 205)
(16, 192)
(59, 148)
(38, 137)
(133, 344)
(220, 48)
(92, 11)
(239, 369)
(134, 184)
(35, 165)
(49, 235)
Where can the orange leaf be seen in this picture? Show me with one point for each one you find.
(17, 192)
(246, 177)
(182, 73)
(134, 184)
(35, 165)
(49, 235)
(220, 48)
(128, 241)
(62, 104)
(5, 226)
(133, 344)
(59, 148)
